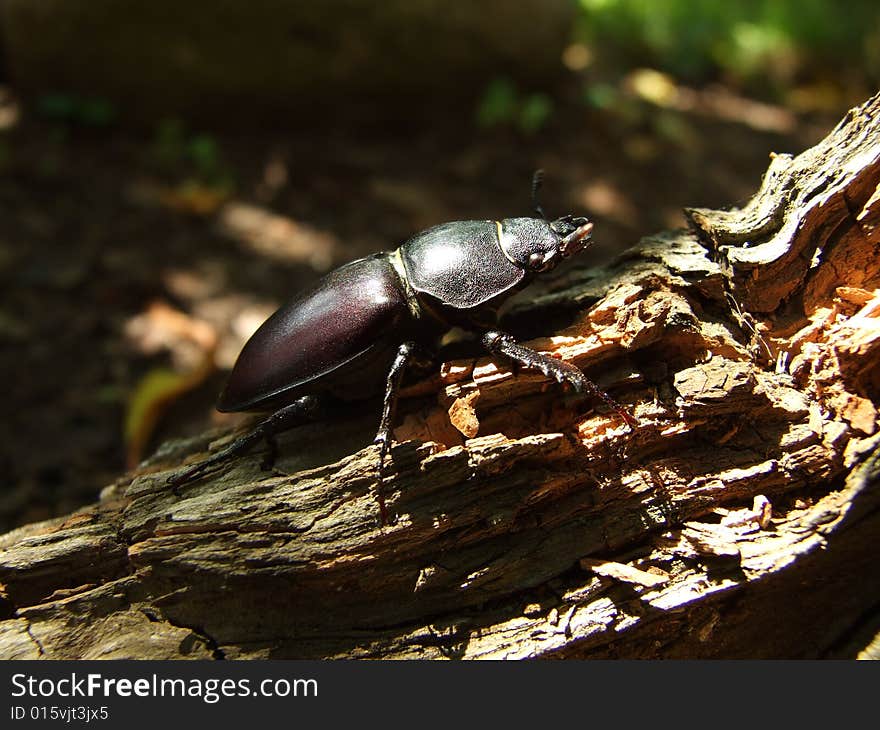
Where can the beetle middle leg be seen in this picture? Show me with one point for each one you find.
(406, 353)
(302, 410)
(500, 343)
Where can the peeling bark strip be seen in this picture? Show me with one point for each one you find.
(739, 519)
(807, 229)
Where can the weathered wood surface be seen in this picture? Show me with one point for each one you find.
(738, 519)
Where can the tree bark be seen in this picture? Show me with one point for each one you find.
(736, 520)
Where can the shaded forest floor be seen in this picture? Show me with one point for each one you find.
(124, 252)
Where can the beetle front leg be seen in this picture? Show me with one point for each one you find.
(300, 411)
(500, 343)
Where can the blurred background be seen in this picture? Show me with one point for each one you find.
(170, 173)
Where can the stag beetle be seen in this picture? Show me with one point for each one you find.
(354, 332)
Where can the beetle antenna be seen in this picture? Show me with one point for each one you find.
(537, 180)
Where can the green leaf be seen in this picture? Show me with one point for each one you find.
(534, 113)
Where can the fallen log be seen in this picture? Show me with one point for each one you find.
(738, 519)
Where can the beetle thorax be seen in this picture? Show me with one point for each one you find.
(458, 269)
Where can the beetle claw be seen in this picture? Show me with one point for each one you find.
(628, 418)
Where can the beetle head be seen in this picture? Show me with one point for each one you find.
(537, 245)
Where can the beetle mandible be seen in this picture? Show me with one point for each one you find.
(354, 332)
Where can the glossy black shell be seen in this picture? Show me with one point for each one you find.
(460, 266)
(339, 336)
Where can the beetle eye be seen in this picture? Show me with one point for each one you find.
(536, 261)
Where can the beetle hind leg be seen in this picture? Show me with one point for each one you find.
(500, 343)
(300, 411)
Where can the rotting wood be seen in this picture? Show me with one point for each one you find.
(738, 519)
